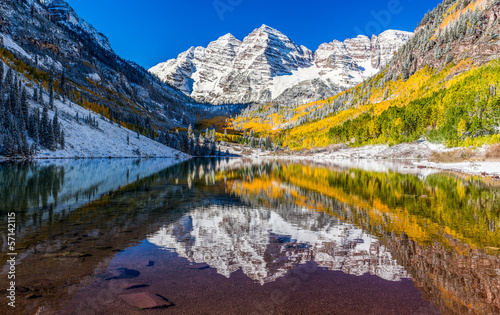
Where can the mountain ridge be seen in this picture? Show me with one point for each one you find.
(266, 63)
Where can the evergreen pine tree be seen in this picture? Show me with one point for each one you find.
(35, 95)
(184, 143)
(8, 145)
(24, 108)
(191, 147)
(206, 145)
(56, 129)
(8, 80)
(213, 149)
(62, 85)
(268, 143)
(51, 143)
(196, 147)
(51, 94)
(44, 128)
(62, 141)
(1, 73)
(40, 97)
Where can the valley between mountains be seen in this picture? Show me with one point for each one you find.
(428, 95)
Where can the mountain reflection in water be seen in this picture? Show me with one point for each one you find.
(265, 244)
(255, 223)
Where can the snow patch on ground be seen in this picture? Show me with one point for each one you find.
(10, 44)
(94, 77)
(49, 63)
(109, 140)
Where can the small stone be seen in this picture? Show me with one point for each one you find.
(123, 273)
(136, 286)
(22, 290)
(32, 296)
(145, 300)
(198, 266)
(150, 263)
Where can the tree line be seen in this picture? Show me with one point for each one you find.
(193, 143)
(19, 120)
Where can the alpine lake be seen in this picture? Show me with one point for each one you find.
(238, 236)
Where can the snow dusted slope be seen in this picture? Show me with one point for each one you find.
(8, 43)
(108, 140)
(267, 66)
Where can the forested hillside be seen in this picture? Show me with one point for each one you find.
(18, 121)
(441, 85)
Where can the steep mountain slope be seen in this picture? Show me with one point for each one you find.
(49, 36)
(441, 85)
(267, 66)
(64, 92)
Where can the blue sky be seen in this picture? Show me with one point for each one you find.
(153, 31)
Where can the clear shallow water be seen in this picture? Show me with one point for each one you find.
(233, 236)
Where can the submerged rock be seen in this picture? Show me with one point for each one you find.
(123, 273)
(136, 286)
(198, 266)
(145, 300)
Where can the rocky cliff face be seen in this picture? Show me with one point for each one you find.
(268, 66)
(61, 12)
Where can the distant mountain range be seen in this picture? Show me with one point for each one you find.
(442, 84)
(268, 66)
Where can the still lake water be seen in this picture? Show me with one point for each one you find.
(241, 237)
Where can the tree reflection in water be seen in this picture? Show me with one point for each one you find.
(260, 217)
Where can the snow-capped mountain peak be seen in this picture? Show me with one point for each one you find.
(228, 38)
(267, 65)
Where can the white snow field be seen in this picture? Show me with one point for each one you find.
(109, 140)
